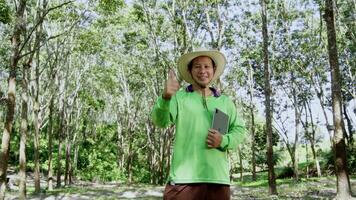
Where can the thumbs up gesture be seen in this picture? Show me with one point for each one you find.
(171, 86)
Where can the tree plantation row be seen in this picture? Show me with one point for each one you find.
(79, 79)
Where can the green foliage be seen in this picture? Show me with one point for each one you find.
(5, 31)
(327, 163)
(15, 144)
(102, 167)
(134, 38)
(92, 102)
(5, 16)
(351, 158)
(97, 160)
(109, 7)
(261, 158)
(89, 42)
(286, 172)
(138, 12)
(260, 136)
(141, 173)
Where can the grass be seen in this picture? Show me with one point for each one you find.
(264, 183)
(305, 188)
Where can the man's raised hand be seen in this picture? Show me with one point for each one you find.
(171, 86)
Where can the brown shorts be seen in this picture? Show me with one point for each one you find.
(199, 191)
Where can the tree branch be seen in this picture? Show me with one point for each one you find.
(210, 29)
(50, 38)
(40, 21)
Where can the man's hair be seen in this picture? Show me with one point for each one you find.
(190, 65)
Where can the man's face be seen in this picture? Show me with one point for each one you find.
(202, 70)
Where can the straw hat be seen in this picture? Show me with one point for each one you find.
(218, 58)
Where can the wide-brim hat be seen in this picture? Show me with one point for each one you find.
(218, 58)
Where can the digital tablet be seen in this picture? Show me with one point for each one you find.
(220, 121)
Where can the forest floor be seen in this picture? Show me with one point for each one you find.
(313, 188)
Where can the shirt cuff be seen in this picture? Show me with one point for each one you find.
(163, 103)
(224, 142)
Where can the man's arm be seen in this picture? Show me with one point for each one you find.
(237, 131)
(164, 112)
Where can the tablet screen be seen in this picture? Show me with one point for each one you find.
(220, 121)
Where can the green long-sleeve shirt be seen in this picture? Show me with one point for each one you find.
(192, 160)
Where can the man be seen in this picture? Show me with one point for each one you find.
(200, 166)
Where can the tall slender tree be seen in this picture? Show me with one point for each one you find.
(342, 175)
(268, 107)
(36, 90)
(252, 121)
(24, 130)
(11, 101)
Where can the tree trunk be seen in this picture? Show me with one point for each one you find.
(252, 114)
(50, 147)
(164, 162)
(320, 95)
(321, 102)
(349, 126)
(307, 159)
(60, 143)
(341, 171)
(36, 110)
(62, 123)
(129, 155)
(297, 123)
(163, 155)
(315, 157)
(24, 124)
(75, 161)
(241, 167)
(120, 142)
(36, 152)
(73, 164)
(59, 165)
(169, 149)
(37, 125)
(150, 152)
(68, 160)
(67, 167)
(53, 88)
(267, 90)
(11, 94)
(312, 142)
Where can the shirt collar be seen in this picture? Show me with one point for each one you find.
(216, 93)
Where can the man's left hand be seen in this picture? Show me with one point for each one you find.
(214, 138)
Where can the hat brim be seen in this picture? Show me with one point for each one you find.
(218, 58)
